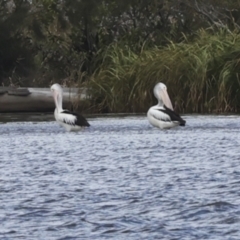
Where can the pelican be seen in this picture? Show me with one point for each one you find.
(69, 120)
(162, 115)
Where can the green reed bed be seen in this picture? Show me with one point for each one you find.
(202, 75)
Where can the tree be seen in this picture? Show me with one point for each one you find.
(55, 39)
(15, 56)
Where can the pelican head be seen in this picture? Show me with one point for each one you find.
(160, 92)
(57, 92)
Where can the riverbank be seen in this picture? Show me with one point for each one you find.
(38, 99)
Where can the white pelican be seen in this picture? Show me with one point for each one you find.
(69, 120)
(162, 115)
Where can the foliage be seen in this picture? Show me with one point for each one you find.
(121, 48)
(202, 75)
(15, 56)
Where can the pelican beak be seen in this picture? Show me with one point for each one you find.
(165, 98)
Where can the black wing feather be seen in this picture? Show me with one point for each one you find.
(81, 121)
(173, 115)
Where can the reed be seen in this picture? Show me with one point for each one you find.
(202, 75)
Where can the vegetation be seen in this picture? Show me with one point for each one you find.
(121, 49)
(203, 75)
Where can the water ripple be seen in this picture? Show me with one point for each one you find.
(121, 179)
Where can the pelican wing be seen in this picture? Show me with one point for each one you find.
(73, 118)
(159, 114)
(67, 117)
(174, 117)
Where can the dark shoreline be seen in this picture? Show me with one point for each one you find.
(36, 99)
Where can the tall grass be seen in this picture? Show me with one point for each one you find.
(202, 75)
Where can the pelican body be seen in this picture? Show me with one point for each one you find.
(71, 121)
(162, 115)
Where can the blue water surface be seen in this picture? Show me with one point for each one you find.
(120, 179)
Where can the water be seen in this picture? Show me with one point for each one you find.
(120, 179)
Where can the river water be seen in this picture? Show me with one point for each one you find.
(120, 179)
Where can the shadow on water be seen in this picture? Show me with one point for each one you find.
(45, 117)
(26, 117)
